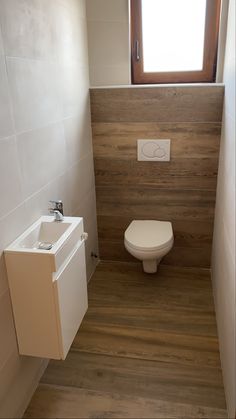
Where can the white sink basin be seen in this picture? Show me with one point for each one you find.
(46, 232)
(60, 238)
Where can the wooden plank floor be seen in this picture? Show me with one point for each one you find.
(147, 348)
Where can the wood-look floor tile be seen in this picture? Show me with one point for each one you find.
(63, 402)
(128, 287)
(187, 301)
(161, 318)
(147, 348)
(139, 378)
(143, 344)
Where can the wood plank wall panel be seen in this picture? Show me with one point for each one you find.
(181, 191)
(162, 104)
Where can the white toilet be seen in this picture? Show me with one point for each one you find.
(149, 241)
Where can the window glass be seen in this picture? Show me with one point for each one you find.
(173, 35)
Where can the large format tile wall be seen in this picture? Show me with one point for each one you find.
(181, 191)
(223, 261)
(45, 148)
(108, 39)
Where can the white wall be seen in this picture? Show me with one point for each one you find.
(223, 260)
(108, 38)
(45, 148)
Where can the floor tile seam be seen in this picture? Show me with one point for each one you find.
(119, 356)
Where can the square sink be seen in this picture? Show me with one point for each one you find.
(49, 238)
(46, 232)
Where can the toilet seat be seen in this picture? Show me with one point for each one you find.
(149, 235)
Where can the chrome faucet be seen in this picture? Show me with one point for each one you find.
(57, 210)
(57, 215)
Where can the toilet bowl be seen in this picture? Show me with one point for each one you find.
(149, 241)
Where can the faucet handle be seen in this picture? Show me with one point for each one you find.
(56, 201)
(57, 205)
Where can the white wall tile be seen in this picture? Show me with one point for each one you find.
(71, 35)
(27, 29)
(20, 374)
(229, 69)
(227, 150)
(9, 371)
(78, 7)
(42, 156)
(6, 124)
(11, 226)
(35, 92)
(109, 75)
(7, 331)
(223, 273)
(3, 275)
(225, 211)
(109, 42)
(74, 83)
(10, 186)
(38, 204)
(1, 43)
(87, 210)
(78, 136)
(107, 10)
(103, 46)
(81, 4)
(80, 181)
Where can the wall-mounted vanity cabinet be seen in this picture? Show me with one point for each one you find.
(48, 287)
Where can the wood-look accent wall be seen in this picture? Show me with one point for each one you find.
(181, 191)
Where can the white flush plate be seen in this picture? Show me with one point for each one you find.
(153, 150)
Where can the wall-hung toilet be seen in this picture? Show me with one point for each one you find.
(149, 241)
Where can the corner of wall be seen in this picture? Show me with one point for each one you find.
(222, 40)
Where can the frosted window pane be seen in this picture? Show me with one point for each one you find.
(173, 35)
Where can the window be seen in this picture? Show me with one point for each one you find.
(174, 41)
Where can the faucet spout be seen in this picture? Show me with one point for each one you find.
(57, 215)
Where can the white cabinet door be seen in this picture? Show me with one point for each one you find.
(71, 299)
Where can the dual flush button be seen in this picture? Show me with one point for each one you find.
(153, 150)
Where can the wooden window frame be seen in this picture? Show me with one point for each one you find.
(206, 75)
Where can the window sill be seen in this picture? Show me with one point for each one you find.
(148, 86)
